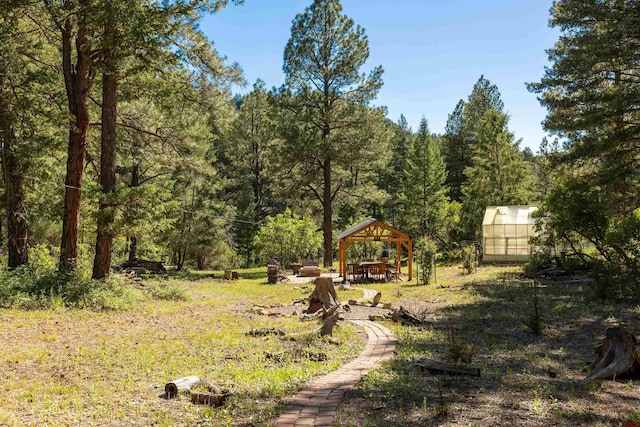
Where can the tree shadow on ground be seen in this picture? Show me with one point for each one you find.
(526, 379)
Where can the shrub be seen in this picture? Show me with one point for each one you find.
(288, 237)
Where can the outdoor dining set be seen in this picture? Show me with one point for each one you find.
(370, 270)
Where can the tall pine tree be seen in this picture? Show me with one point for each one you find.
(425, 194)
(328, 97)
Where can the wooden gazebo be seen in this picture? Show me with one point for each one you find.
(372, 230)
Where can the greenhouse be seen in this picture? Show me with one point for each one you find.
(506, 231)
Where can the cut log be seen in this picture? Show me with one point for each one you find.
(324, 293)
(330, 320)
(376, 299)
(617, 355)
(436, 367)
(272, 273)
(173, 387)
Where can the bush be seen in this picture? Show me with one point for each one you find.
(289, 238)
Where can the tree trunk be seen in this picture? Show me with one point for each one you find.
(13, 186)
(133, 248)
(181, 257)
(327, 208)
(133, 240)
(77, 83)
(106, 214)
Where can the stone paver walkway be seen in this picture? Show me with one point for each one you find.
(316, 404)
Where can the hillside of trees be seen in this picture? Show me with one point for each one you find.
(121, 139)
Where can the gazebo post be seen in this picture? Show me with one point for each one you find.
(410, 262)
(342, 254)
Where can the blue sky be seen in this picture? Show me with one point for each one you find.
(432, 51)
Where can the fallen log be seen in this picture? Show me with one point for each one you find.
(210, 399)
(144, 266)
(265, 331)
(436, 367)
(173, 387)
(405, 317)
(330, 320)
(617, 355)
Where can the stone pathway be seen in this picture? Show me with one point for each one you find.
(316, 404)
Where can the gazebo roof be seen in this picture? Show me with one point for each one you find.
(356, 228)
(373, 229)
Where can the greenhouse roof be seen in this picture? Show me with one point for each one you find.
(509, 215)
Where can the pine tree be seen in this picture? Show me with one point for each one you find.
(499, 175)
(30, 103)
(461, 131)
(328, 97)
(592, 93)
(392, 177)
(592, 90)
(425, 194)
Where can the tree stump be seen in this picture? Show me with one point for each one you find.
(618, 354)
(324, 293)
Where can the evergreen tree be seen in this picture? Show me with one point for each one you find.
(425, 194)
(243, 159)
(456, 151)
(499, 175)
(462, 129)
(591, 93)
(392, 176)
(327, 96)
(30, 101)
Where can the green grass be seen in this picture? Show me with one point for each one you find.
(488, 311)
(65, 366)
(77, 366)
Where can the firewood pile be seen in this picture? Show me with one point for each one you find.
(142, 266)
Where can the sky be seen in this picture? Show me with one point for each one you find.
(432, 52)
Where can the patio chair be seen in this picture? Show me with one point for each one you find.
(354, 271)
(393, 271)
(379, 271)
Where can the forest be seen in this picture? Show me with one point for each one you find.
(122, 139)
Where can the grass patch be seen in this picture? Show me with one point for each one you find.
(80, 366)
(536, 379)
